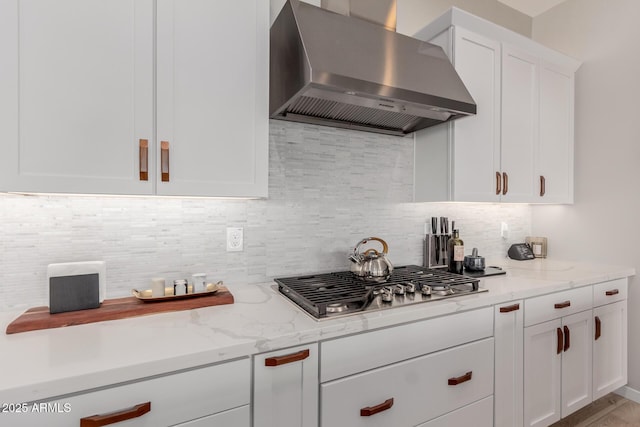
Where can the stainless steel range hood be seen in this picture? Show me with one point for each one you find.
(336, 70)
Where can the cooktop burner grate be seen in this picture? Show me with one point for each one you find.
(332, 294)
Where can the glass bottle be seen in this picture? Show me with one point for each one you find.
(456, 253)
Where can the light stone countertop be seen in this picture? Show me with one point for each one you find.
(55, 362)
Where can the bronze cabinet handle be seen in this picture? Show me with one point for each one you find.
(289, 358)
(498, 183)
(164, 160)
(612, 292)
(567, 338)
(116, 417)
(459, 380)
(562, 304)
(560, 341)
(598, 327)
(372, 410)
(505, 186)
(543, 186)
(144, 159)
(510, 308)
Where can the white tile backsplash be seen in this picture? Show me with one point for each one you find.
(328, 188)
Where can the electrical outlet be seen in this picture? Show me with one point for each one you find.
(504, 230)
(235, 239)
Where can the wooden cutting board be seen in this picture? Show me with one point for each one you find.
(112, 309)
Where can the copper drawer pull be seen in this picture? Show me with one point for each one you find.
(372, 410)
(289, 358)
(562, 304)
(510, 308)
(543, 186)
(498, 183)
(598, 327)
(144, 159)
(463, 379)
(505, 186)
(164, 160)
(612, 292)
(567, 338)
(560, 341)
(116, 417)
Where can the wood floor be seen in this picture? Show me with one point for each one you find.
(610, 411)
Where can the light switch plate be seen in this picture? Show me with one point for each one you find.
(504, 230)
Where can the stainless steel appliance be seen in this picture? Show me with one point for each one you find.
(371, 265)
(338, 294)
(344, 71)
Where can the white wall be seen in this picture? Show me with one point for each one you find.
(415, 14)
(412, 15)
(604, 223)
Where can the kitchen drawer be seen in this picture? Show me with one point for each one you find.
(238, 417)
(174, 398)
(358, 353)
(553, 306)
(608, 292)
(477, 414)
(420, 388)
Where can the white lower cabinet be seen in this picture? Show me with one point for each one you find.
(411, 392)
(508, 335)
(213, 396)
(285, 388)
(231, 418)
(557, 360)
(478, 414)
(610, 338)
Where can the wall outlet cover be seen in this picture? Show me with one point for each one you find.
(235, 237)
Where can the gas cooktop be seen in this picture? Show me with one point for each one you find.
(332, 295)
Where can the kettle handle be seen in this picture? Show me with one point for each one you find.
(385, 248)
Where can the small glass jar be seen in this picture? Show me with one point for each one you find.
(179, 287)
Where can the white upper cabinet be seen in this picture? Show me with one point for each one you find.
(519, 145)
(554, 162)
(213, 59)
(83, 82)
(76, 95)
(518, 124)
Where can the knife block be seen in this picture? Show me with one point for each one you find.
(435, 250)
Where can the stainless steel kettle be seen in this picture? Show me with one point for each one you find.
(371, 265)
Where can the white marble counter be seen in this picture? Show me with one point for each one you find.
(54, 362)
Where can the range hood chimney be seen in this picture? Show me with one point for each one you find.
(345, 66)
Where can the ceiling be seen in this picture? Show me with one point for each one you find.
(532, 8)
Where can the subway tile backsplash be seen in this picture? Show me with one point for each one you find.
(328, 188)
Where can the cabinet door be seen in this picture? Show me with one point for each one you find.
(285, 388)
(542, 373)
(508, 336)
(555, 146)
(519, 124)
(576, 362)
(76, 96)
(212, 95)
(609, 348)
(475, 140)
